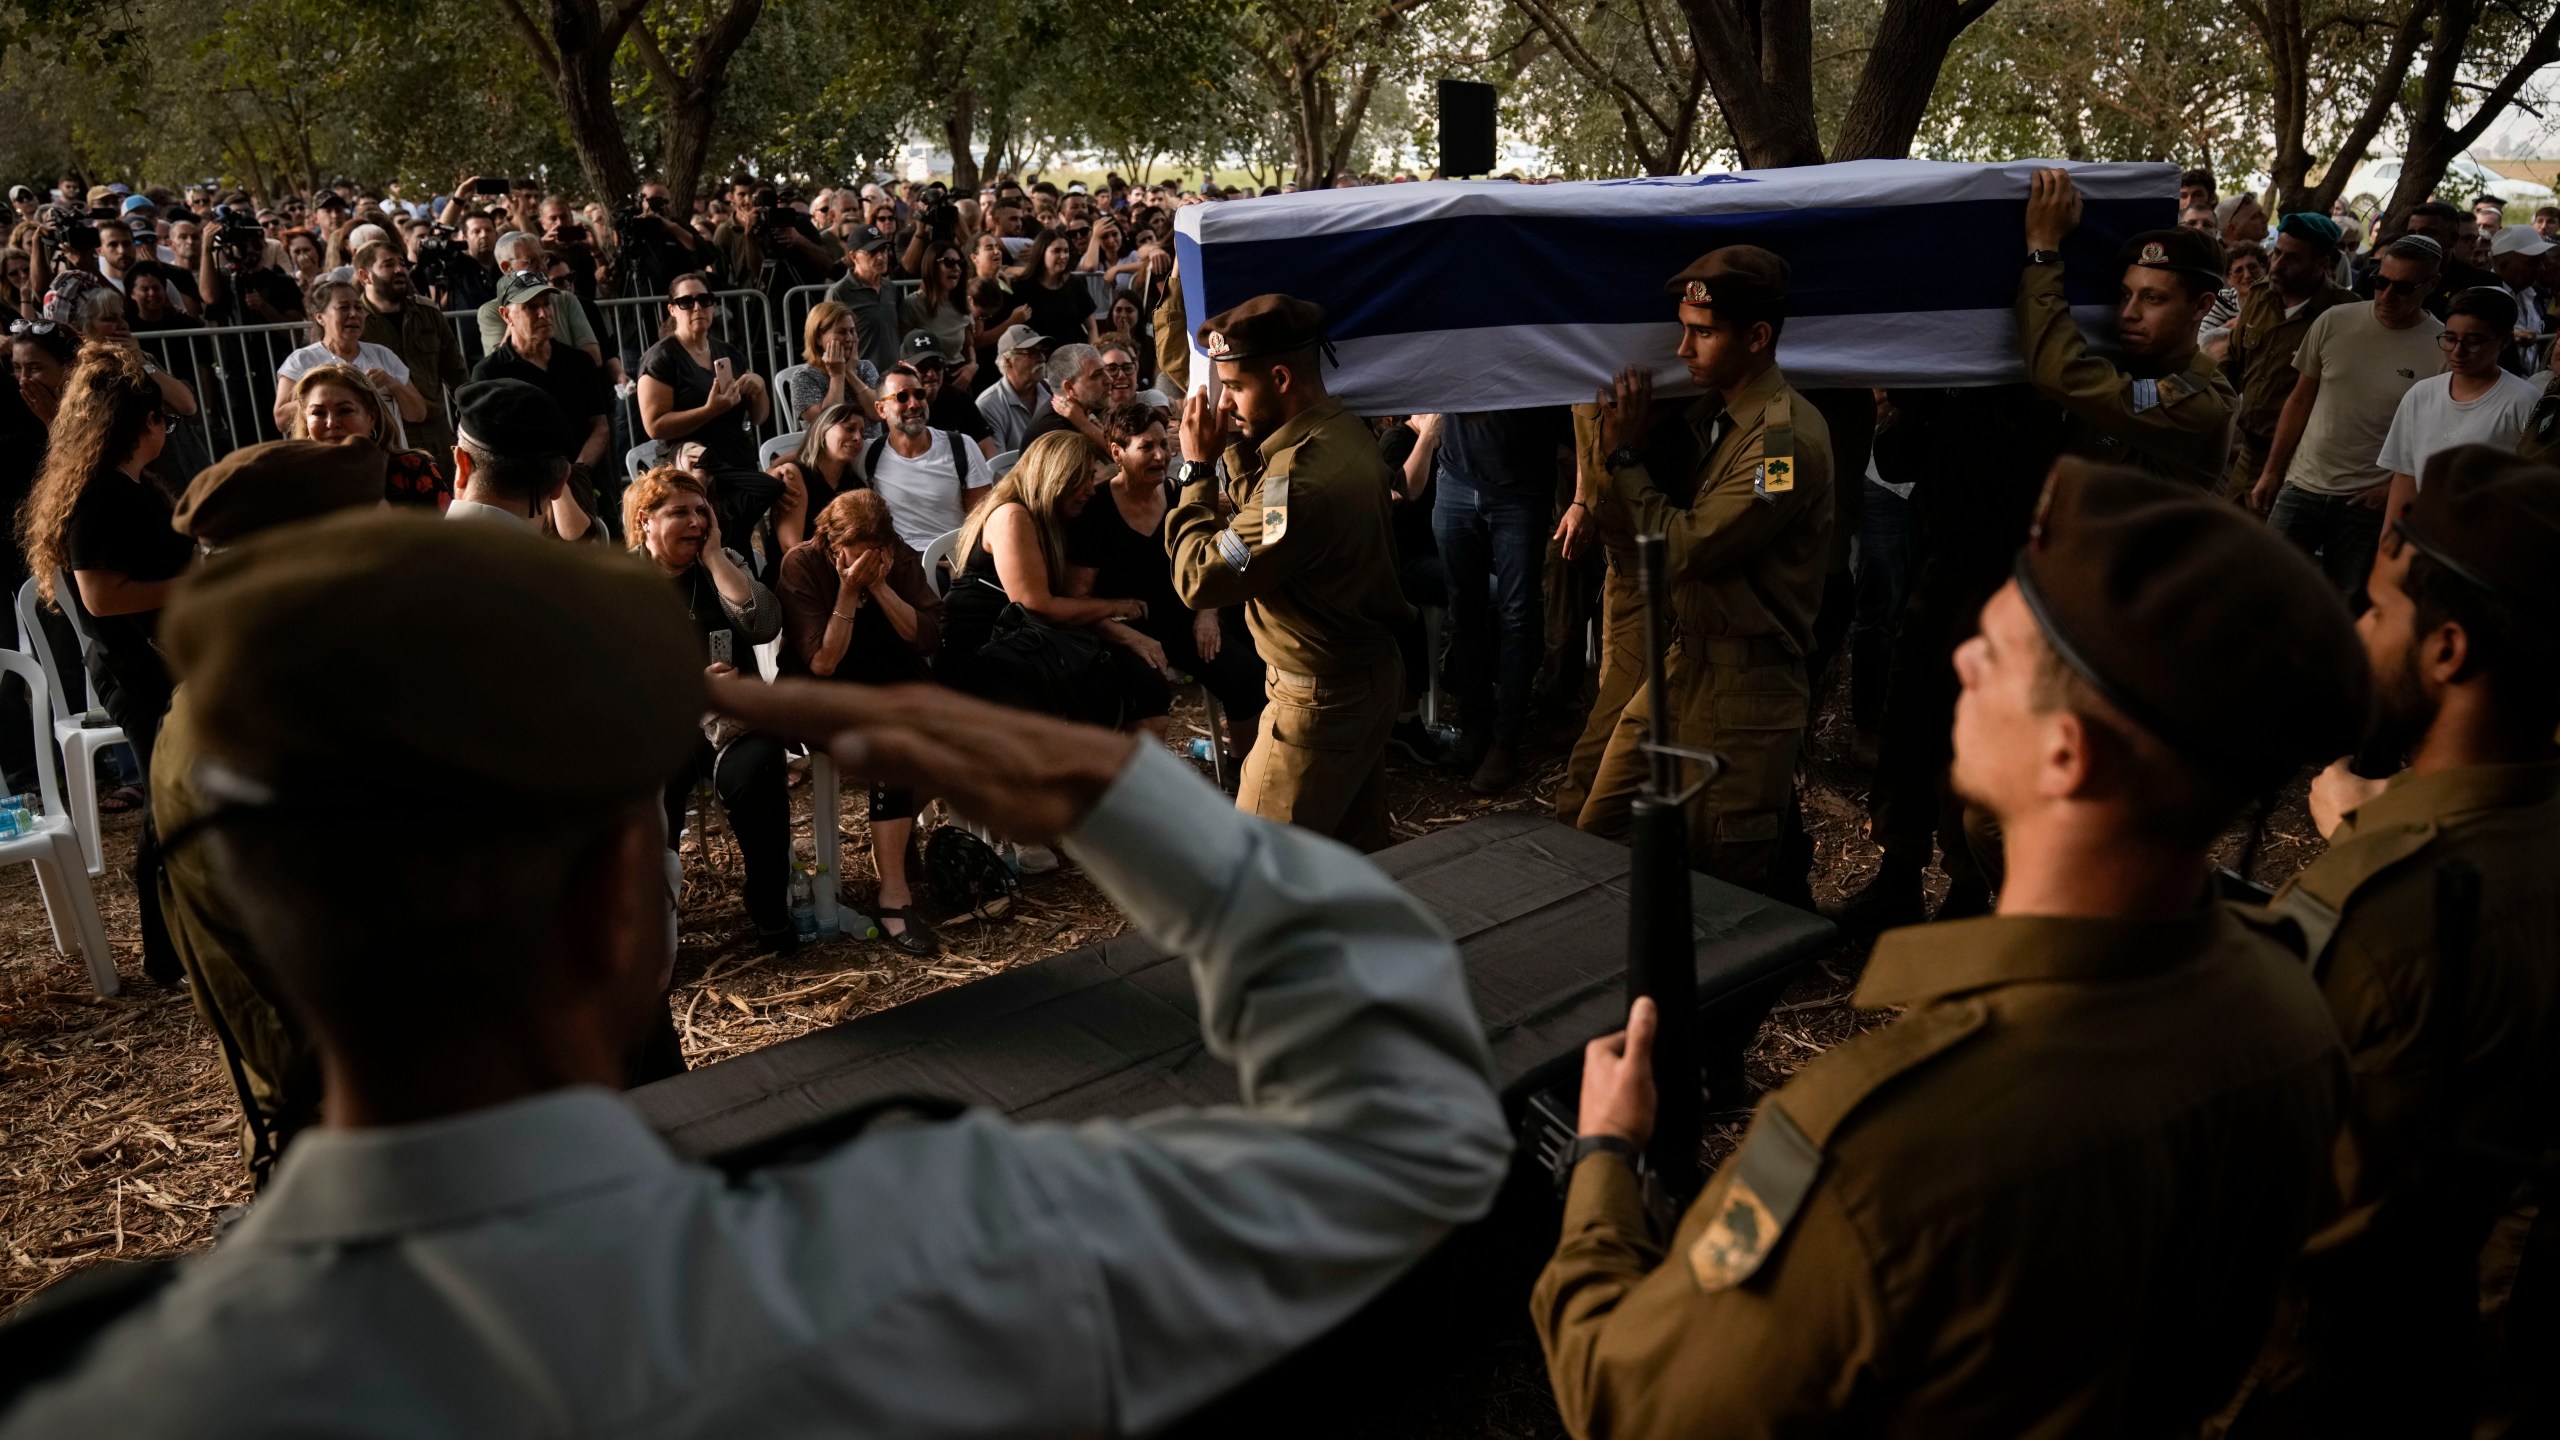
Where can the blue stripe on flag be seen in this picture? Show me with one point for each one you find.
(1480, 271)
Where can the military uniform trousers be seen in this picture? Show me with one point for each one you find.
(1746, 700)
(1621, 676)
(1319, 759)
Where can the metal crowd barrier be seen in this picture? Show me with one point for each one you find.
(232, 370)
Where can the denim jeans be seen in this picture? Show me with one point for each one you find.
(1493, 546)
(2335, 530)
(1884, 575)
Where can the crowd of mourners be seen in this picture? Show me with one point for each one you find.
(2292, 515)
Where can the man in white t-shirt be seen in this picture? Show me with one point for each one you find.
(2323, 483)
(2474, 403)
(930, 478)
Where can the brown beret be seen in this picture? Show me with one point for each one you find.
(2492, 517)
(259, 487)
(2195, 621)
(1743, 277)
(389, 657)
(2190, 251)
(1261, 327)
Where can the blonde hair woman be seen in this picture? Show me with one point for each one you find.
(337, 404)
(1013, 572)
(831, 346)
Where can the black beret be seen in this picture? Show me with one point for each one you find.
(259, 487)
(510, 418)
(1743, 277)
(2492, 517)
(1261, 327)
(559, 677)
(2190, 251)
(2196, 622)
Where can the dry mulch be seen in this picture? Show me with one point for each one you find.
(118, 1132)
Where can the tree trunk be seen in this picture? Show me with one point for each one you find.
(2377, 111)
(689, 118)
(694, 96)
(1765, 92)
(957, 123)
(1901, 73)
(2281, 34)
(582, 78)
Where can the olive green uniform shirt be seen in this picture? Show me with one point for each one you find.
(1309, 550)
(2259, 362)
(2542, 433)
(2054, 1198)
(1748, 552)
(419, 336)
(2381, 1313)
(2177, 426)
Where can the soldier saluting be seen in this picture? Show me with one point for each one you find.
(1301, 535)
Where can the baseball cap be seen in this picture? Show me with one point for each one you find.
(868, 238)
(1019, 338)
(517, 286)
(923, 346)
(2518, 240)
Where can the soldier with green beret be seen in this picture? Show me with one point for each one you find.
(1300, 533)
(2444, 988)
(1749, 537)
(2057, 1195)
(2166, 407)
(2268, 334)
(266, 1050)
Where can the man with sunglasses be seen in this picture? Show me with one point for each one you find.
(2450, 1046)
(2474, 402)
(952, 409)
(2323, 484)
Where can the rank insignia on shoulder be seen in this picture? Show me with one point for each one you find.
(1777, 475)
(1232, 549)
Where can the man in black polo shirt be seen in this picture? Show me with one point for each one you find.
(953, 409)
(563, 372)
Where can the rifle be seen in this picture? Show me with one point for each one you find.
(1661, 948)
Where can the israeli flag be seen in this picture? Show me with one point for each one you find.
(1487, 295)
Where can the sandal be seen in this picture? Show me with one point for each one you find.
(915, 939)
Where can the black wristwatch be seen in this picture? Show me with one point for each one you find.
(2044, 257)
(1586, 1146)
(1195, 471)
(1623, 458)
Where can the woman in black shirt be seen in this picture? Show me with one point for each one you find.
(696, 386)
(1061, 305)
(827, 464)
(95, 514)
(1120, 539)
(668, 516)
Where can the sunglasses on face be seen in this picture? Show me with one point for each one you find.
(2399, 287)
(688, 302)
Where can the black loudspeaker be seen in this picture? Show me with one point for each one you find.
(1466, 128)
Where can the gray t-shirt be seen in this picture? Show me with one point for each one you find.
(2364, 368)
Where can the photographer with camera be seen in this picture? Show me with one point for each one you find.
(236, 275)
(801, 255)
(937, 227)
(657, 245)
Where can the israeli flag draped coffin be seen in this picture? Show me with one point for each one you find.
(1486, 295)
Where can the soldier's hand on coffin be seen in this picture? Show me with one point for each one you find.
(2053, 209)
(1626, 409)
(1028, 777)
(1617, 1079)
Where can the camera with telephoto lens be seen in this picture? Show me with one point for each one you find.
(439, 258)
(942, 222)
(237, 231)
(66, 226)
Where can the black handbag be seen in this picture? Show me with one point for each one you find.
(1035, 665)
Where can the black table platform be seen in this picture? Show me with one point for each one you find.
(1539, 910)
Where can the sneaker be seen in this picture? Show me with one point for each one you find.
(1416, 740)
(1031, 859)
(1496, 773)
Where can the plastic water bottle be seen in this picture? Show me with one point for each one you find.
(10, 829)
(1200, 749)
(804, 906)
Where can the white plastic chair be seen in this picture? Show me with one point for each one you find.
(53, 847)
(778, 447)
(640, 457)
(79, 740)
(782, 379)
(937, 554)
(1002, 462)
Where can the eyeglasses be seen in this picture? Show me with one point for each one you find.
(689, 302)
(2452, 341)
(1130, 368)
(950, 262)
(2399, 287)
